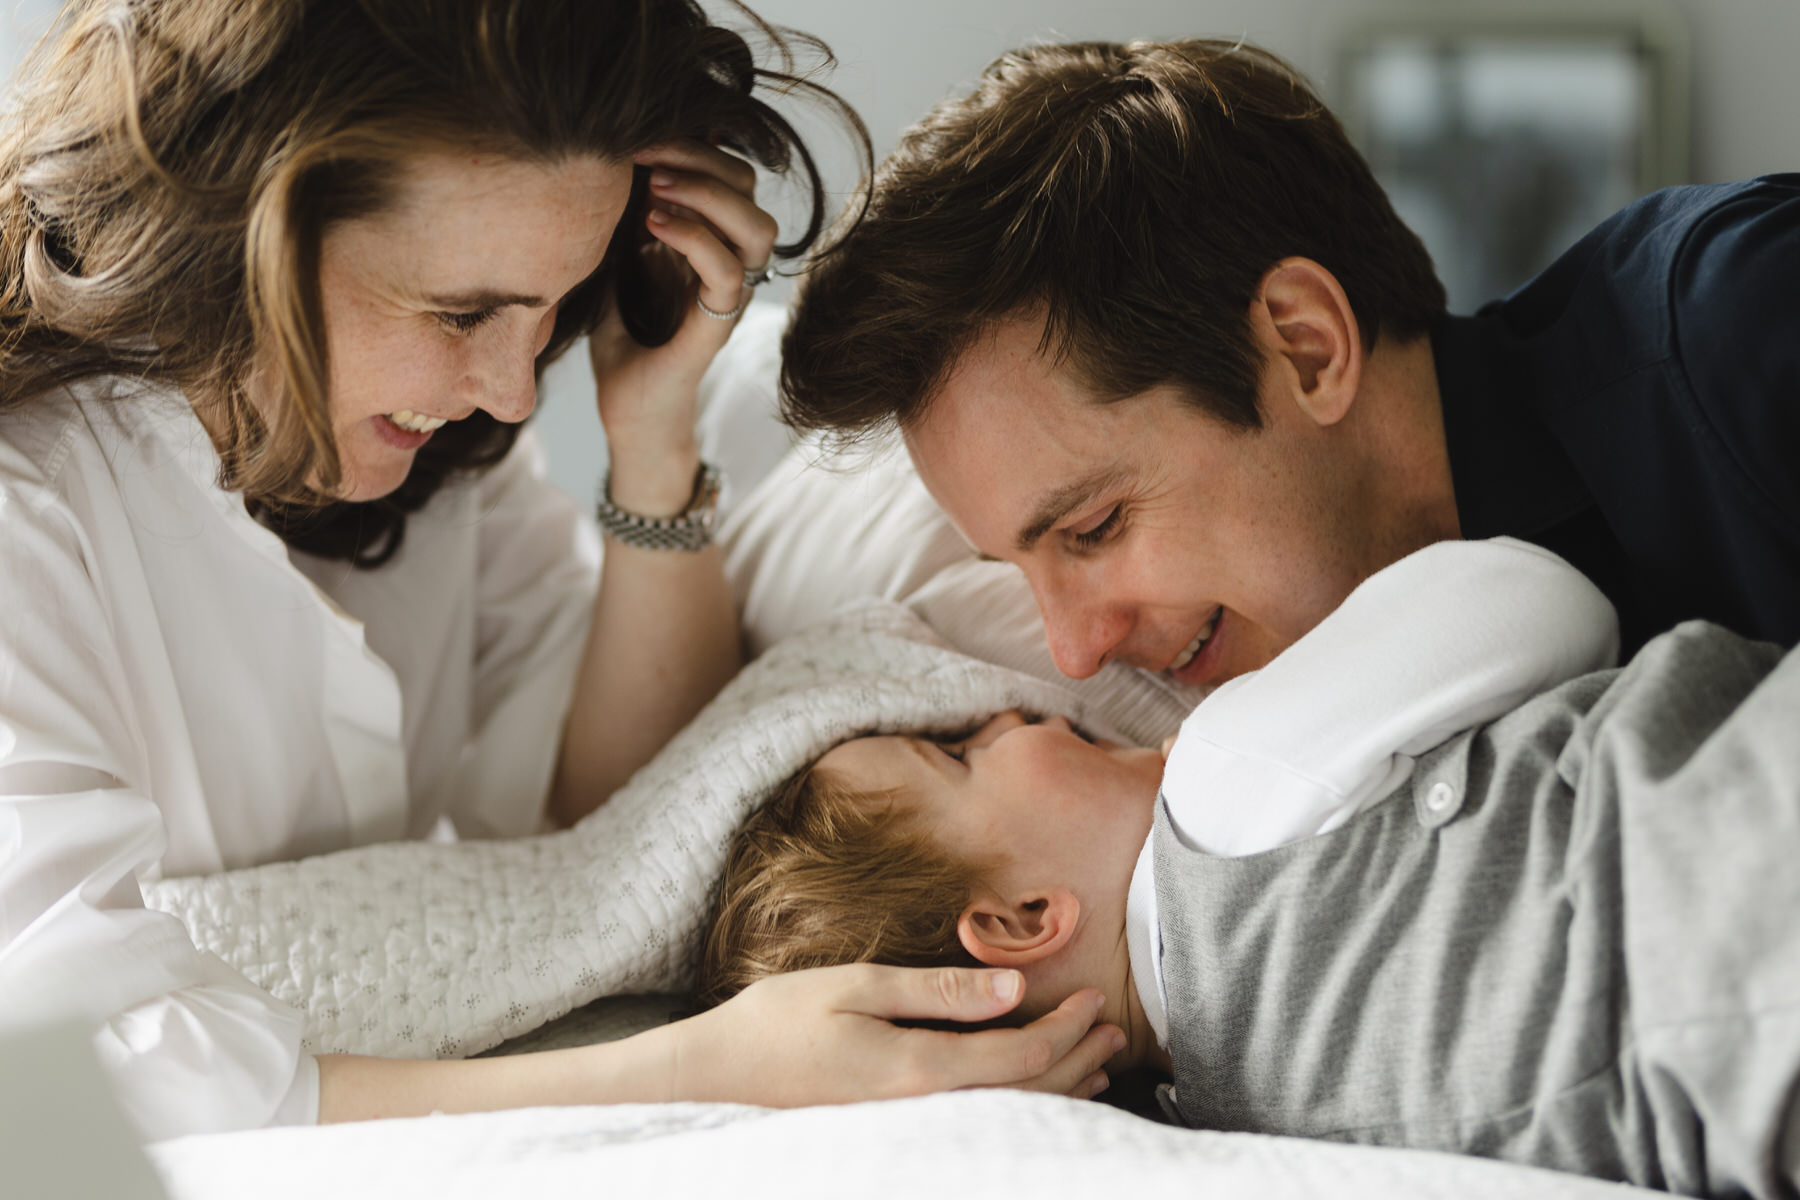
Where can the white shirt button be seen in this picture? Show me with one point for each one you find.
(1440, 797)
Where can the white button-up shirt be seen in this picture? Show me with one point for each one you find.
(180, 694)
(1446, 639)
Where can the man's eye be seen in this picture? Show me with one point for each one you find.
(1094, 535)
(466, 322)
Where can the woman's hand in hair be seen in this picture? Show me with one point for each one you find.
(702, 209)
(828, 1036)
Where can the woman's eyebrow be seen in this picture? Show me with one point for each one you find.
(485, 298)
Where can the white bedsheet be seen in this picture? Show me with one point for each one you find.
(978, 1144)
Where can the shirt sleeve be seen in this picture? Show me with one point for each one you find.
(190, 1044)
(1445, 639)
(1731, 297)
(539, 568)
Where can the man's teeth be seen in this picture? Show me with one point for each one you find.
(1193, 647)
(414, 422)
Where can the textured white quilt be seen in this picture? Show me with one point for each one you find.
(421, 950)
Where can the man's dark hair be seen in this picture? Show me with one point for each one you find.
(1133, 197)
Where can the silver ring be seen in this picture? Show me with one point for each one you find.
(724, 316)
(756, 278)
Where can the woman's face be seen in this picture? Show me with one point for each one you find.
(438, 305)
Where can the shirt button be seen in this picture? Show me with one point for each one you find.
(1440, 797)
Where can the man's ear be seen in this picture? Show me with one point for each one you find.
(1309, 336)
(1015, 933)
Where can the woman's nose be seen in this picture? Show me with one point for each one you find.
(505, 383)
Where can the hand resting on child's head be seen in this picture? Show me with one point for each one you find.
(1011, 847)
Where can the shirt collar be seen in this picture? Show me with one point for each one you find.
(163, 417)
(1143, 941)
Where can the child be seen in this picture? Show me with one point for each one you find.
(1384, 895)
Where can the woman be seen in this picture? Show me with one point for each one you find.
(276, 575)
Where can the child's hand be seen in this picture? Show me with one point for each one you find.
(827, 1036)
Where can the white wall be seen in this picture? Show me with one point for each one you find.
(898, 59)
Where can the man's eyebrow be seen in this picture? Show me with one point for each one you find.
(482, 298)
(1059, 503)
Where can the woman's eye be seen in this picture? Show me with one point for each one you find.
(1095, 534)
(466, 322)
(954, 751)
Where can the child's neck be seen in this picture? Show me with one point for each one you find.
(1112, 974)
(1126, 1010)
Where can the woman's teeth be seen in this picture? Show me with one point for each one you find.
(414, 422)
(1193, 647)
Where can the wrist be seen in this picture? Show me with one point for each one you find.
(653, 483)
(690, 1064)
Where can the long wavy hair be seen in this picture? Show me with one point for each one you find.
(168, 168)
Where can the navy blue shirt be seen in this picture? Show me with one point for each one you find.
(1636, 409)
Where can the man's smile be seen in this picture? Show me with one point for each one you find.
(1192, 648)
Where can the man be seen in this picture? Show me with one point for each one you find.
(1153, 332)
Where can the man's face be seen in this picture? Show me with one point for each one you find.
(1151, 533)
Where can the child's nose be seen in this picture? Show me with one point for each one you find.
(1004, 723)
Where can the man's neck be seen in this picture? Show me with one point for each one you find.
(1402, 427)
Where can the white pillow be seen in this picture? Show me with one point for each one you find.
(739, 427)
(818, 533)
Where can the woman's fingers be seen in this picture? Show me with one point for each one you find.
(1081, 1072)
(930, 993)
(826, 1036)
(1054, 1053)
(689, 154)
(1058, 1052)
(717, 266)
(734, 214)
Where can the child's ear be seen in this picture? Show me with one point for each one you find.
(1015, 933)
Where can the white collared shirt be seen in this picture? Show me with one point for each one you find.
(180, 694)
(1446, 639)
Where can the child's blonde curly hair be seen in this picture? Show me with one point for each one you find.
(823, 875)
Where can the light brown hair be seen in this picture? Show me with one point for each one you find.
(1134, 195)
(169, 166)
(823, 874)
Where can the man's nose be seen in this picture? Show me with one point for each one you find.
(1082, 637)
